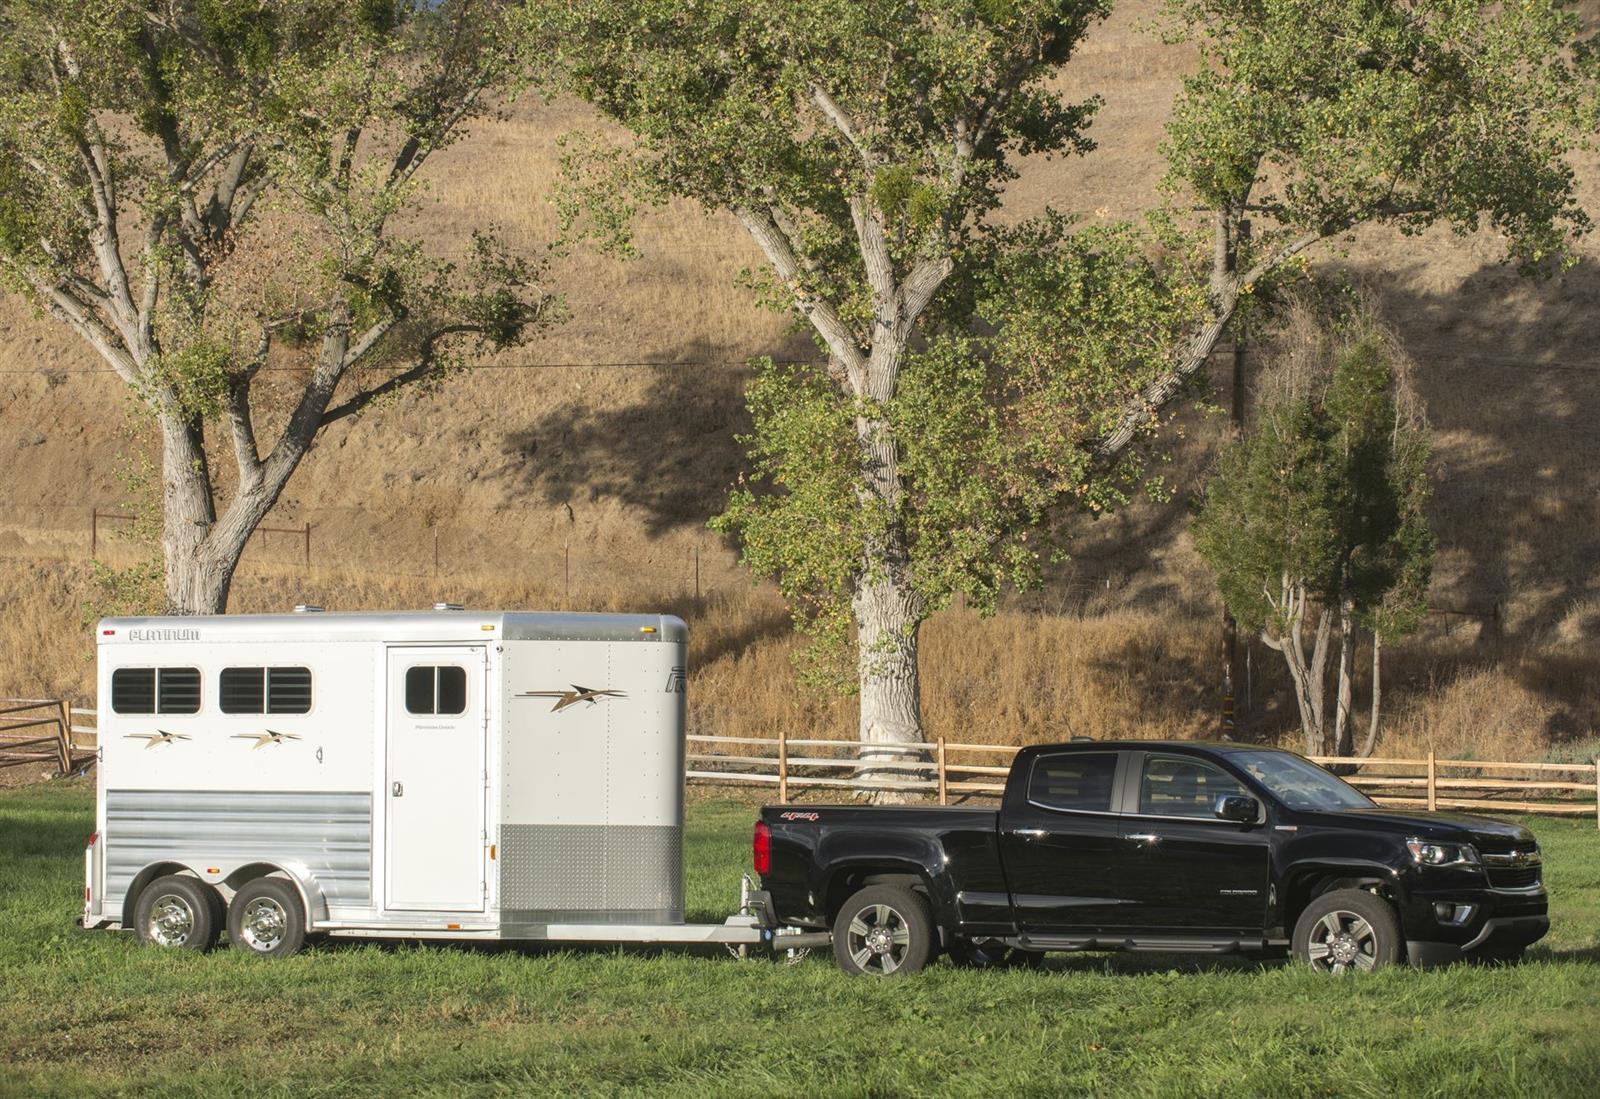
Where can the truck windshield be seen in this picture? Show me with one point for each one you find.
(1299, 783)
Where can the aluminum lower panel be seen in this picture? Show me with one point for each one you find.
(330, 833)
(607, 874)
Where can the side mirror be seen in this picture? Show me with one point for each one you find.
(1239, 808)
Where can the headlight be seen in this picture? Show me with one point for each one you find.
(1442, 854)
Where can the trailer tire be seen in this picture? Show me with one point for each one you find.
(883, 931)
(266, 918)
(176, 911)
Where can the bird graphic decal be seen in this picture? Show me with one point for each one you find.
(266, 737)
(573, 697)
(160, 736)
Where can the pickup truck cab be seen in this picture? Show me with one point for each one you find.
(1158, 846)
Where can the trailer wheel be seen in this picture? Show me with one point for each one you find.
(883, 930)
(267, 919)
(176, 911)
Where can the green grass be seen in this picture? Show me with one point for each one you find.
(92, 1013)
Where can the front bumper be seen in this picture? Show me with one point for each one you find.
(1501, 920)
(1499, 933)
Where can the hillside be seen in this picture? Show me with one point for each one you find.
(581, 469)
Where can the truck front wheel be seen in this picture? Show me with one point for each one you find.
(1347, 930)
(882, 931)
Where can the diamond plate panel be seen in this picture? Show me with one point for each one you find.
(603, 869)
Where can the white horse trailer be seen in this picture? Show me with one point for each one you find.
(418, 775)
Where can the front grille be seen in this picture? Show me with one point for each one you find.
(1521, 877)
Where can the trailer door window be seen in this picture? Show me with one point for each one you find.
(265, 690)
(155, 690)
(436, 689)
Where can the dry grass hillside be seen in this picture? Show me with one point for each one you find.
(579, 471)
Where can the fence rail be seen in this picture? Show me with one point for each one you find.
(42, 730)
(940, 769)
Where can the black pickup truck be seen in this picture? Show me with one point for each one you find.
(1159, 846)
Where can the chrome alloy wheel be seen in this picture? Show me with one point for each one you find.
(171, 920)
(1342, 941)
(263, 924)
(878, 938)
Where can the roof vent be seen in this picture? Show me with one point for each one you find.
(449, 606)
(307, 608)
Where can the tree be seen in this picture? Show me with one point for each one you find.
(862, 146)
(1316, 520)
(207, 193)
(1314, 118)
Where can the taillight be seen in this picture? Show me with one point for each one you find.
(761, 847)
(93, 836)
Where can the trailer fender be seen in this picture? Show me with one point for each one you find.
(305, 882)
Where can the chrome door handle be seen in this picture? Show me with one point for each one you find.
(1144, 837)
(399, 791)
(1031, 833)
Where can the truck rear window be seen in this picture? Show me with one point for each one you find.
(1074, 781)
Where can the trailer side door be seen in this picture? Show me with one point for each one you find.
(434, 846)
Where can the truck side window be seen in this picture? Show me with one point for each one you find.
(265, 691)
(1174, 786)
(1077, 781)
(436, 689)
(155, 690)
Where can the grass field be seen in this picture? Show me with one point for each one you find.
(85, 1014)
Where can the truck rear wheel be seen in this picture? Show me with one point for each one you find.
(267, 919)
(1347, 930)
(883, 930)
(177, 911)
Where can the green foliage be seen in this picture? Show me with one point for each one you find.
(990, 421)
(1328, 491)
(1325, 114)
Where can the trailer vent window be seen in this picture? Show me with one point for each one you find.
(266, 690)
(436, 690)
(155, 690)
(1076, 781)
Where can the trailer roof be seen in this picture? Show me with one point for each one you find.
(428, 626)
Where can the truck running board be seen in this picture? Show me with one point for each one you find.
(1159, 944)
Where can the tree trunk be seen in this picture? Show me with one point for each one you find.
(197, 581)
(888, 614)
(1343, 728)
(1377, 694)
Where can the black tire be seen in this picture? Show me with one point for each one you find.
(176, 912)
(992, 954)
(883, 931)
(1347, 930)
(266, 918)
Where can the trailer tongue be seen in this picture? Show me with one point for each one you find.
(443, 775)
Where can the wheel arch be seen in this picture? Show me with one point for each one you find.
(311, 896)
(845, 879)
(130, 899)
(1306, 883)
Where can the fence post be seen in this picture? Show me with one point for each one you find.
(1433, 789)
(308, 544)
(944, 789)
(66, 736)
(783, 765)
(1597, 791)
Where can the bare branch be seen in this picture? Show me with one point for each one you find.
(426, 364)
(784, 256)
(841, 121)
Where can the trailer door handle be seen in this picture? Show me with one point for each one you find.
(399, 790)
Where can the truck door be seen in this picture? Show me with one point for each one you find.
(1182, 868)
(1060, 843)
(434, 850)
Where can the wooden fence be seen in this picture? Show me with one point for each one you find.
(42, 731)
(941, 769)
